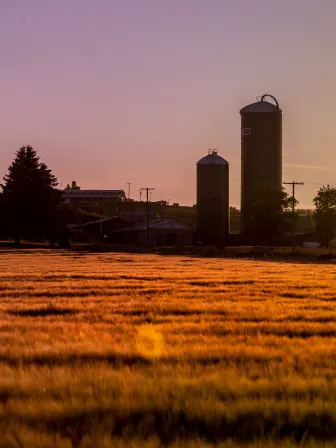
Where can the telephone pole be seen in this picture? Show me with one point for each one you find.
(129, 190)
(140, 193)
(147, 190)
(293, 184)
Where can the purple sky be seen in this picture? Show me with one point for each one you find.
(117, 91)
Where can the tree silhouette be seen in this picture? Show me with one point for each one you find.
(270, 213)
(29, 196)
(73, 186)
(325, 213)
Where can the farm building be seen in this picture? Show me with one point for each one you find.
(102, 229)
(132, 228)
(93, 200)
(161, 232)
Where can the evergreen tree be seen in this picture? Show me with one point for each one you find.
(3, 229)
(30, 197)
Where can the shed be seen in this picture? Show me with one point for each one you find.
(161, 232)
(102, 229)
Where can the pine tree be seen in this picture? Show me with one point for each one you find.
(30, 197)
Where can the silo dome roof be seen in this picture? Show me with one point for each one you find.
(210, 159)
(259, 107)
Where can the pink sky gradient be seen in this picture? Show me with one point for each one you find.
(117, 91)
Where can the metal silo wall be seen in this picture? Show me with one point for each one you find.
(213, 203)
(261, 156)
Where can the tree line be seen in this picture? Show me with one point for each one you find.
(272, 217)
(30, 205)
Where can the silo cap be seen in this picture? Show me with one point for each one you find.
(210, 159)
(260, 107)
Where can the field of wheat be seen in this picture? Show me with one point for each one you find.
(120, 350)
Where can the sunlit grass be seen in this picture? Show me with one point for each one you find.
(141, 350)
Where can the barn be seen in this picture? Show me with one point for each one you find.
(161, 232)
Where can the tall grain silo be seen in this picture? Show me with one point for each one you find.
(213, 200)
(261, 150)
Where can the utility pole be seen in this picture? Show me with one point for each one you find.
(147, 190)
(129, 190)
(293, 184)
(140, 193)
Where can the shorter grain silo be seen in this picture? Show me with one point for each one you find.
(213, 200)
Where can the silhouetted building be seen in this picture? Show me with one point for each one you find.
(161, 232)
(91, 200)
(212, 206)
(100, 231)
(261, 150)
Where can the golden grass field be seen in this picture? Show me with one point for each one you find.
(120, 350)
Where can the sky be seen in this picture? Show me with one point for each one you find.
(117, 91)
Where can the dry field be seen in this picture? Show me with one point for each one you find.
(119, 350)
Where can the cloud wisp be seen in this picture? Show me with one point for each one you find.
(309, 167)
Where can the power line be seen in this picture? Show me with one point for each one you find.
(314, 183)
(293, 184)
(147, 190)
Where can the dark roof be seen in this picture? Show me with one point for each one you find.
(260, 107)
(92, 193)
(165, 224)
(139, 216)
(210, 159)
(100, 221)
